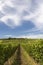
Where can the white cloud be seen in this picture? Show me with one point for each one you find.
(33, 7)
(4, 3)
(1, 6)
(16, 18)
(11, 20)
(39, 18)
(7, 35)
(32, 30)
(32, 36)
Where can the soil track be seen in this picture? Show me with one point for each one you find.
(20, 57)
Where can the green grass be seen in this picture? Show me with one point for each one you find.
(34, 48)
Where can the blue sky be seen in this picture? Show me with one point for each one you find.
(21, 18)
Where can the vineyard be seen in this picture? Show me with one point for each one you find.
(21, 51)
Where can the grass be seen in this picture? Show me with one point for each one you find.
(32, 49)
(20, 57)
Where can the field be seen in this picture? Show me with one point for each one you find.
(21, 51)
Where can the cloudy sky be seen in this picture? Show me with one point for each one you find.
(21, 18)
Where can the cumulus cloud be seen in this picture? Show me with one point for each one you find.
(38, 20)
(14, 11)
(11, 20)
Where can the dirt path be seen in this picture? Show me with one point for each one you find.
(11, 59)
(20, 57)
(26, 59)
(17, 60)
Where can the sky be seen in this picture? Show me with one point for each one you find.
(21, 18)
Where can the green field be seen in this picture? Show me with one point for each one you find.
(21, 51)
